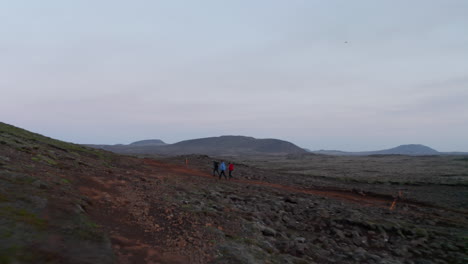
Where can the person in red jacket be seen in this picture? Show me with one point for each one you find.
(231, 168)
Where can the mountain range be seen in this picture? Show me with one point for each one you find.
(242, 145)
(223, 145)
(409, 149)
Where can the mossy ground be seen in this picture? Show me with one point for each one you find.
(38, 197)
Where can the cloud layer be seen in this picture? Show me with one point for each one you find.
(350, 75)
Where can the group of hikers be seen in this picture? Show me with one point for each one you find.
(220, 169)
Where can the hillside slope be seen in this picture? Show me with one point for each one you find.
(42, 212)
(65, 203)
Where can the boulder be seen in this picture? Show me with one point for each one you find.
(266, 231)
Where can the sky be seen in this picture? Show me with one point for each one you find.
(348, 75)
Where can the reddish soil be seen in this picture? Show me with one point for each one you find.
(343, 195)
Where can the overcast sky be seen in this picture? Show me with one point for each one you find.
(348, 75)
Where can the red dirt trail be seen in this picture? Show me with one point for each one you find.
(348, 196)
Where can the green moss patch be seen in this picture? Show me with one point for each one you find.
(22, 254)
(23, 216)
(65, 181)
(44, 159)
(86, 229)
(3, 198)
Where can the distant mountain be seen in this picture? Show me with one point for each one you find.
(130, 148)
(223, 145)
(455, 153)
(410, 150)
(332, 152)
(149, 142)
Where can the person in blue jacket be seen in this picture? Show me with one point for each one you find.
(222, 169)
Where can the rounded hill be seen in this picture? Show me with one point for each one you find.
(231, 145)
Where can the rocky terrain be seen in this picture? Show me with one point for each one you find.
(436, 180)
(64, 203)
(223, 145)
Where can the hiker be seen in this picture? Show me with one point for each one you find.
(222, 168)
(215, 167)
(230, 168)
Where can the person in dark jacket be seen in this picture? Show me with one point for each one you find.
(222, 169)
(230, 168)
(215, 167)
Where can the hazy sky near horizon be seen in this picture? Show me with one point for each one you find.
(348, 75)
